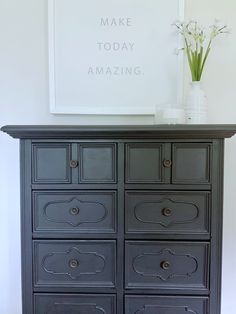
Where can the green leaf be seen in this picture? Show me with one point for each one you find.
(200, 63)
(205, 59)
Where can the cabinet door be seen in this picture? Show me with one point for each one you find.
(145, 163)
(51, 163)
(97, 163)
(191, 163)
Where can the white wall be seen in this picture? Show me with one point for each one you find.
(24, 100)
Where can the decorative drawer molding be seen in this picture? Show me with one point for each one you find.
(167, 212)
(167, 265)
(75, 263)
(166, 305)
(74, 304)
(75, 212)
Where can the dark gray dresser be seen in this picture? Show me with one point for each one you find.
(121, 220)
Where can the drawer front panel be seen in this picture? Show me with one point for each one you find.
(51, 163)
(144, 163)
(167, 212)
(76, 212)
(97, 163)
(74, 304)
(191, 163)
(168, 265)
(165, 305)
(75, 263)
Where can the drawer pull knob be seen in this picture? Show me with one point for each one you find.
(74, 211)
(165, 265)
(167, 212)
(73, 263)
(73, 163)
(167, 163)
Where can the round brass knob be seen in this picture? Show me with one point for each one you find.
(74, 211)
(73, 263)
(167, 212)
(167, 163)
(165, 265)
(73, 163)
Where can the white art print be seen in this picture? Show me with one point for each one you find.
(113, 56)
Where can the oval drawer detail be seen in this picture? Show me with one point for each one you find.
(166, 305)
(166, 265)
(79, 263)
(167, 212)
(74, 304)
(75, 211)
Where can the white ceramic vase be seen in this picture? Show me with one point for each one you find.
(196, 105)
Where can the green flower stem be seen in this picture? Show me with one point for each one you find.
(195, 39)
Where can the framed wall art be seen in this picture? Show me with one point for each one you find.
(114, 56)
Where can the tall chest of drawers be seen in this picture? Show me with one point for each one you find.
(121, 220)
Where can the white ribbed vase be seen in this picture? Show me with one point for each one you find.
(196, 105)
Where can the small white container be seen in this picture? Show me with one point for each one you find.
(169, 115)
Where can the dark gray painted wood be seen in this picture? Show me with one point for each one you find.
(167, 212)
(191, 163)
(144, 163)
(184, 131)
(26, 226)
(81, 263)
(97, 163)
(51, 163)
(165, 305)
(75, 212)
(74, 304)
(194, 176)
(170, 265)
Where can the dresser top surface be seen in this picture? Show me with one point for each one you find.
(179, 131)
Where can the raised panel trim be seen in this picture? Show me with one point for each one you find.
(37, 146)
(113, 146)
(161, 147)
(208, 147)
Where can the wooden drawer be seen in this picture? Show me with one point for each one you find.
(60, 163)
(167, 212)
(75, 212)
(165, 305)
(75, 263)
(74, 304)
(167, 265)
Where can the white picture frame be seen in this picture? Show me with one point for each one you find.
(66, 98)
